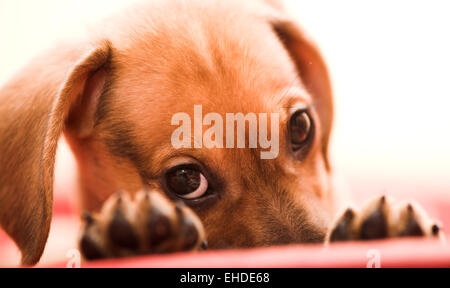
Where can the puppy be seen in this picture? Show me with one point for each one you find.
(113, 96)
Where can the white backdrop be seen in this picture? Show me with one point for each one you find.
(389, 60)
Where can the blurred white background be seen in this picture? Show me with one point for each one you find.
(390, 63)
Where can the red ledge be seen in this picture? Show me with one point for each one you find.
(392, 253)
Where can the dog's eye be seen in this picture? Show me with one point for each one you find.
(301, 127)
(187, 183)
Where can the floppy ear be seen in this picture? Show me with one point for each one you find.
(56, 88)
(312, 71)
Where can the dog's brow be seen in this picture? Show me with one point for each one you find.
(293, 96)
(295, 104)
(296, 107)
(293, 90)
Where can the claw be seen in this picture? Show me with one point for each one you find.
(87, 218)
(349, 214)
(411, 226)
(410, 208)
(435, 229)
(119, 194)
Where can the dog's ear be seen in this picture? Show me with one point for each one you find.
(312, 71)
(55, 90)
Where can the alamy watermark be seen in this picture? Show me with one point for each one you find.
(374, 257)
(74, 261)
(218, 136)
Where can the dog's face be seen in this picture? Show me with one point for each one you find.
(228, 58)
(236, 65)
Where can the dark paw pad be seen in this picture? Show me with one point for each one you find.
(343, 229)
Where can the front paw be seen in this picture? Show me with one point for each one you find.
(148, 224)
(380, 219)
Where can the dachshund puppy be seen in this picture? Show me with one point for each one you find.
(113, 96)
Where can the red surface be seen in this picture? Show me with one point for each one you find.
(392, 253)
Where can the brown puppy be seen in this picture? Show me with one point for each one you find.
(114, 95)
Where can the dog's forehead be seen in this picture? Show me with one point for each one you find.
(209, 55)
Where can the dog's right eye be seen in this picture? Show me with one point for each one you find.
(186, 182)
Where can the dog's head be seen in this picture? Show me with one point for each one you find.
(116, 98)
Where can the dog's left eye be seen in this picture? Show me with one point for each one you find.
(301, 129)
(187, 183)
